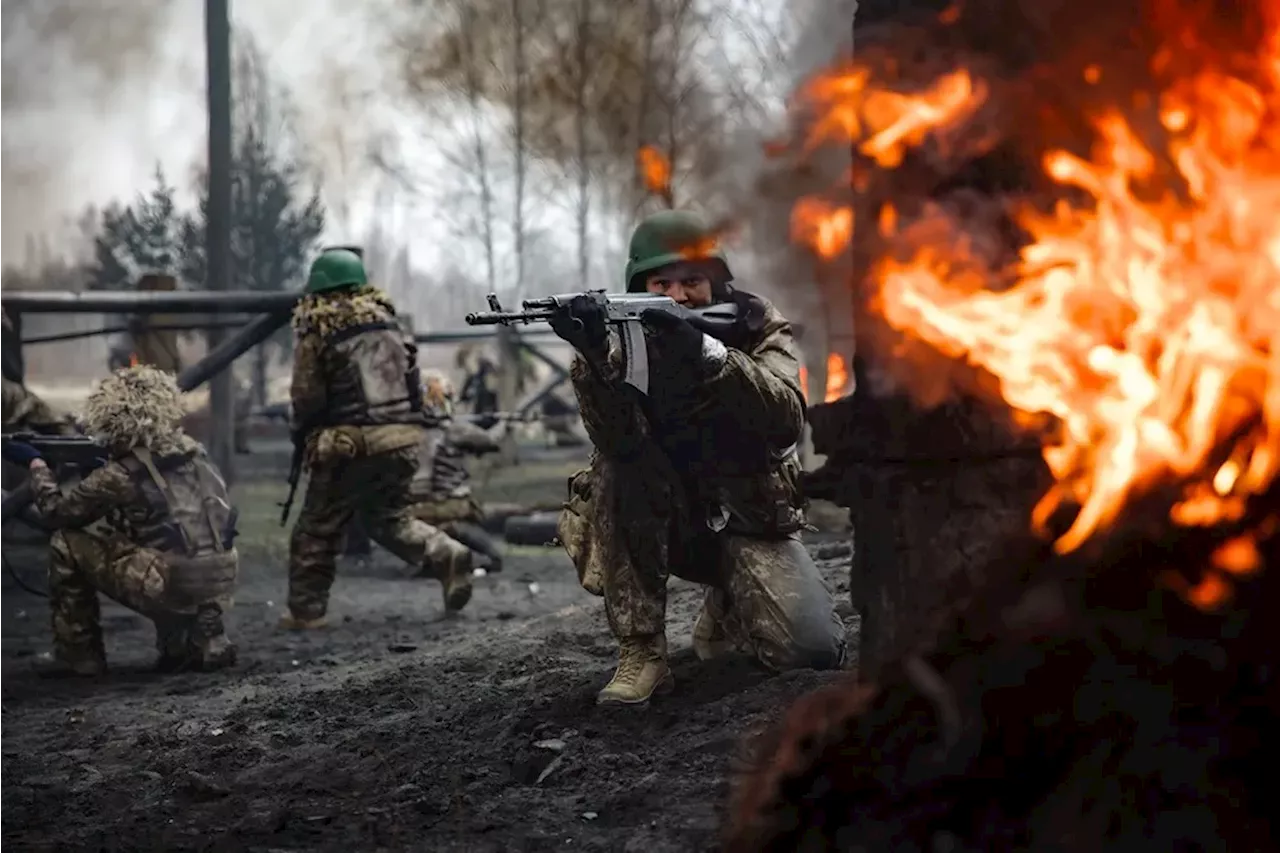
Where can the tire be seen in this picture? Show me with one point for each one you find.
(538, 529)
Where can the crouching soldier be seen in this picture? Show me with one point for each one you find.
(357, 405)
(442, 487)
(152, 528)
(699, 480)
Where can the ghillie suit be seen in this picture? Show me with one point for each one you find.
(153, 529)
(357, 405)
(700, 480)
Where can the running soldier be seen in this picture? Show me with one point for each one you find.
(152, 529)
(700, 479)
(357, 405)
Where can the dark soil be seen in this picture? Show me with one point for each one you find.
(395, 729)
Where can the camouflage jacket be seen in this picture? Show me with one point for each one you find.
(24, 411)
(315, 319)
(730, 437)
(442, 470)
(190, 516)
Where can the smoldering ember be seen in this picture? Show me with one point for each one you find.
(1041, 489)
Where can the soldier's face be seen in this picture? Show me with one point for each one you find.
(688, 285)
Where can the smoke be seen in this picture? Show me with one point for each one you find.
(69, 69)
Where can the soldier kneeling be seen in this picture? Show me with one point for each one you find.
(152, 529)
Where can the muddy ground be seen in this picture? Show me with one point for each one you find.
(395, 729)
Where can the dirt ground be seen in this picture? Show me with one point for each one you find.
(395, 729)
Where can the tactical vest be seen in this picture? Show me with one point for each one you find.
(372, 376)
(190, 520)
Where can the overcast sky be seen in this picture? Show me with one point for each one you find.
(96, 92)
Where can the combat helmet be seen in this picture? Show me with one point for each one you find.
(438, 392)
(670, 237)
(336, 269)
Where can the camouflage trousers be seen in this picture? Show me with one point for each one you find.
(377, 488)
(462, 518)
(767, 595)
(82, 564)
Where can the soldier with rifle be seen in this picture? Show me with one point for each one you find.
(357, 424)
(695, 411)
(442, 489)
(150, 525)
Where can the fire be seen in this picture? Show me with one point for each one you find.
(823, 227)
(133, 359)
(837, 378)
(1143, 313)
(655, 169)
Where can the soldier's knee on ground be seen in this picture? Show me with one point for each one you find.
(784, 605)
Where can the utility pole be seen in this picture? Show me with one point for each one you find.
(217, 31)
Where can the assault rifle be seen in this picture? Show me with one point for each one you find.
(295, 471)
(621, 310)
(65, 454)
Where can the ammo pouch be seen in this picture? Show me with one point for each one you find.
(574, 531)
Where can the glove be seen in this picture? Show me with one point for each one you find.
(583, 324)
(20, 453)
(678, 342)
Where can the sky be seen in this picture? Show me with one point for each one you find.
(97, 92)
(80, 127)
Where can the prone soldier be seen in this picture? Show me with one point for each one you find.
(700, 478)
(357, 415)
(152, 528)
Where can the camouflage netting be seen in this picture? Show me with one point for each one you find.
(136, 407)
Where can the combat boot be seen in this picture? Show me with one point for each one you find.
(709, 637)
(211, 648)
(456, 581)
(642, 672)
(290, 622)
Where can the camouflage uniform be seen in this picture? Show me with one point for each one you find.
(441, 490)
(152, 528)
(704, 484)
(25, 412)
(355, 396)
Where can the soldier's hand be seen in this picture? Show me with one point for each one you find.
(678, 341)
(20, 453)
(582, 323)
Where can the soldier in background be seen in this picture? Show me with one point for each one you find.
(441, 489)
(152, 528)
(357, 405)
(23, 410)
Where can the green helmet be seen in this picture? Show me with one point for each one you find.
(671, 237)
(335, 269)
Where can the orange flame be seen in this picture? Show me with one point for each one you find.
(1145, 320)
(823, 227)
(655, 169)
(133, 359)
(837, 379)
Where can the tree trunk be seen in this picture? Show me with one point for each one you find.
(642, 112)
(481, 155)
(518, 218)
(584, 165)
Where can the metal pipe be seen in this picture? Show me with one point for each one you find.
(114, 330)
(230, 349)
(148, 302)
(473, 334)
